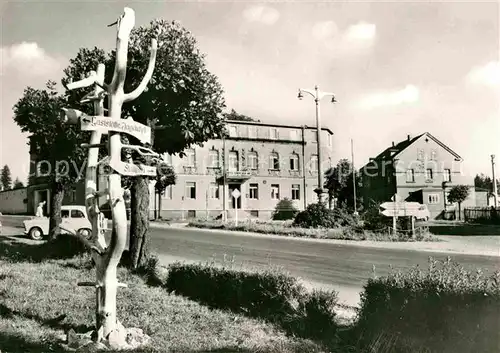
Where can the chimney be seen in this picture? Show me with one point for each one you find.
(393, 144)
(409, 137)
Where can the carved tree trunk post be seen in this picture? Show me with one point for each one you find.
(106, 257)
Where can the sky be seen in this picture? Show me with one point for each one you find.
(396, 68)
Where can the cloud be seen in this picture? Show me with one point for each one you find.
(361, 31)
(263, 14)
(488, 75)
(27, 58)
(352, 40)
(409, 94)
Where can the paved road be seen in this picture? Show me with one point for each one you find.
(342, 265)
(332, 265)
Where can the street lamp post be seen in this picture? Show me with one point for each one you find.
(318, 95)
(495, 192)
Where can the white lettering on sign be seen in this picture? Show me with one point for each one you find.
(130, 169)
(128, 126)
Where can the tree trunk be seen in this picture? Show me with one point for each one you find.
(459, 211)
(56, 199)
(139, 222)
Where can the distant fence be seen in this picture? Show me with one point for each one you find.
(482, 215)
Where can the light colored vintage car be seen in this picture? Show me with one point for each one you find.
(74, 218)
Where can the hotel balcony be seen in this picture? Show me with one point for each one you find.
(235, 175)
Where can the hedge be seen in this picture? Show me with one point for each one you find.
(269, 294)
(444, 309)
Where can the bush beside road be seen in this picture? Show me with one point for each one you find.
(235, 301)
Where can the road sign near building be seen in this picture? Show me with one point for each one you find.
(236, 194)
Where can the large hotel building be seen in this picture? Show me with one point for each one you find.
(264, 162)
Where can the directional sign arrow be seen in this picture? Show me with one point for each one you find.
(130, 169)
(128, 126)
(399, 213)
(401, 205)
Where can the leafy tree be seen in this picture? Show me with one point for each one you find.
(165, 176)
(182, 104)
(338, 181)
(53, 142)
(484, 182)
(285, 209)
(18, 184)
(6, 178)
(233, 115)
(458, 194)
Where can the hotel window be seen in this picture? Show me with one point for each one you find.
(253, 160)
(294, 162)
(190, 158)
(274, 161)
(428, 174)
(167, 193)
(410, 176)
(233, 161)
(252, 132)
(233, 131)
(254, 191)
(433, 198)
(420, 154)
(190, 190)
(275, 191)
(213, 158)
(433, 155)
(313, 164)
(295, 191)
(214, 191)
(273, 133)
(447, 175)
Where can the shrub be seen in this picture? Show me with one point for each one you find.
(285, 209)
(444, 309)
(271, 295)
(314, 216)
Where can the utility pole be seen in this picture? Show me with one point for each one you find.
(495, 191)
(353, 178)
(224, 214)
(318, 95)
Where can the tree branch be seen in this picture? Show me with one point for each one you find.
(149, 73)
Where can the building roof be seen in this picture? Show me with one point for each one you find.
(242, 122)
(393, 151)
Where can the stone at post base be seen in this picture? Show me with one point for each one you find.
(120, 339)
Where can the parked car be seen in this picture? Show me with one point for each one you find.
(423, 213)
(74, 218)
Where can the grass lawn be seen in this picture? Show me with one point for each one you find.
(40, 302)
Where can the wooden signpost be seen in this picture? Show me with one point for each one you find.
(107, 255)
(236, 194)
